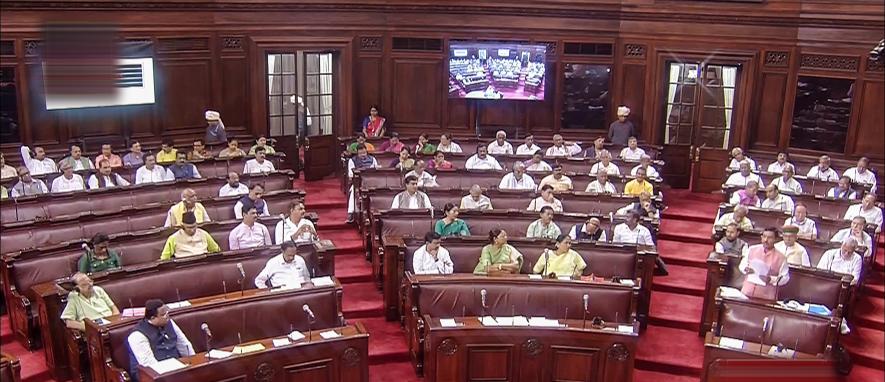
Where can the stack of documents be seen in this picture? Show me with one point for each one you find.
(167, 365)
(322, 281)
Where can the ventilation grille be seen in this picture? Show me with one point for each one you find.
(183, 44)
(420, 44)
(588, 49)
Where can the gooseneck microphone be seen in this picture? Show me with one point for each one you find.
(208, 334)
(242, 280)
(586, 308)
(310, 320)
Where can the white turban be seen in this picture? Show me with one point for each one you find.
(623, 111)
(212, 115)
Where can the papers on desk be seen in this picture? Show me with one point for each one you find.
(296, 336)
(625, 328)
(329, 334)
(729, 292)
(733, 343)
(818, 309)
(180, 304)
(535, 277)
(627, 282)
(218, 354)
(520, 321)
(133, 312)
(564, 278)
(322, 281)
(543, 322)
(448, 323)
(168, 365)
(248, 348)
(504, 321)
(786, 353)
(277, 342)
(488, 321)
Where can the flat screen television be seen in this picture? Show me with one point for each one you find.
(497, 70)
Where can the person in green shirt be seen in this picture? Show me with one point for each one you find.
(262, 142)
(99, 258)
(544, 227)
(86, 302)
(498, 257)
(360, 140)
(424, 146)
(561, 261)
(4, 193)
(450, 225)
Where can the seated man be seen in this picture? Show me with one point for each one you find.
(6, 171)
(631, 232)
(86, 301)
(774, 200)
(639, 185)
(362, 160)
(77, 160)
(200, 152)
(295, 227)
(858, 223)
(778, 166)
(259, 164)
(593, 151)
(518, 179)
(866, 208)
(155, 338)
(559, 149)
(431, 258)
(27, 186)
(498, 257)
(360, 140)
(411, 198)
(528, 147)
(632, 152)
(643, 206)
(601, 185)
(99, 257)
(748, 196)
(168, 152)
(737, 156)
(135, 158)
(589, 230)
(475, 200)
(861, 174)
(250, 233)
(766, 268)
(393, 145)
(545, 200)
(794, 252)
(187, 204)
(843, 190)
(645, 162)
(151, 172)
(68, 181)
(731, 243)
(262, 142)
(500, 144)
(843, 260)
(482, 160)
(605, 163)
(105, 178)
(561, 261)
(738, 216)
(786, 182)
(537, 163)
(446, 145)
(557, 179)
(807, 227)
(107, 153)
(252, 199)
(39, 164)
(743, 176)
(189, 240)
(823, 171)
(544, 227)
(232, 150)
(286, 269)
(233, 186)
(182, 169)
(425, 179)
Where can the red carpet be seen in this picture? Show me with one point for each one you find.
(670, 350)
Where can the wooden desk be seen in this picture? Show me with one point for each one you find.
(751, 362)
(473, 352)
(342, 359)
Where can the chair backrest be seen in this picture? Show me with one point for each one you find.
(804, 332)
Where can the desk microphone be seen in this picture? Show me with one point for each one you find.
(208, 333)
(586, 307)
(310, 320)
(242, 279)
(762, 336)
(482, 294)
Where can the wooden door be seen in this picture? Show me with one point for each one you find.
(318, 111)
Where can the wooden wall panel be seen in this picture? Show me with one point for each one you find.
(42, 123)
(495, 114)
(871, 122)
(91, 122)
(459, 115)
(185, 93)
(633, 95)
(367, 85)
(140, 121)
(417, 93)
(770, 101)
(234, 91)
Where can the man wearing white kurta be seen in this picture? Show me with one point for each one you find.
(843, 260)
(482, 160)
(517, 180)
(151, 172)
(823, 171)
(868, 210)
(529, 147)
(411, 198)
(285, 269)
(500, 145)
(39, 164)
(631, 232)
(68, 181)
(743, 176)
(431, 258)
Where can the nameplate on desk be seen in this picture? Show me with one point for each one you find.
(167, 365)
(733, 343)
(322, 281)
(296, 336)
(329, 334)
(543, 322)
(520, 321)
(504, 321)
(133, 312)
(564, 278)
(448, 323)
(535, 277)
(179, 304)
(277, 342)
(248, 348)
(625, 329)
(218, 354)
(627, 282)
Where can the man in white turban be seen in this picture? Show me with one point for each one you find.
(622, 129)
(214, 128)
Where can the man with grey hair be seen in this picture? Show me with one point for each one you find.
(787, 182)
(188, 203)
(743, 176)
(738, 216)
(645, 162)
(476, 200)
(843, 259)
(868, 210)
(518, 179)
(823, 171)
(559, 149)
(500, 145)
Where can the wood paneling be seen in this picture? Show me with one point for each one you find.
(234, 91)
(633, 95)
(367, 85)
(496, 114)
(771, 105)
(872, 123)
(186, 85)
(417, 92)
(459, 115)
(42, 123)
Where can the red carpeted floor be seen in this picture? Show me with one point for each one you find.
(670, 350)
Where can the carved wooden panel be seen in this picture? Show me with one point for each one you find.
(184, 93)
(565, 359)
(875, 65)
(870, 136)
(634, 51)
(234, 89)
(232, 43)
(42, 123)
(183, 44)
(828, 62)
(633, 95)
(319, 370)
(371, 43)
(489, 363)
(777, 58)
(772, 89)
(494, 114)
(417, 91)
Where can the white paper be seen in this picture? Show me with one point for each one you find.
(296, 336)
(167, 365)
(729, 292)
(520, 321)
(179, 304)
(760, 268)
(535, 277)
(218, 354)
(329, 334)
(448, 322)
(277, 342)
(488, 321)
(322, 281)
(292, 285)
(564, 278)
(504, 321)
(543, 322)
(786, 353)
(625, 328)
(754, 279)
(733, 343)
(627, 282)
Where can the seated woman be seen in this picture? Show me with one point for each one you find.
(404, 162)
(373, 124)
(439, 162)
(498, 257)
(450, 225)
(561, 261)
(424, 146)
(431, 258)
(99, 258)
(262, 142)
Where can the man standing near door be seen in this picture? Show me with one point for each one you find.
(622, 129)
